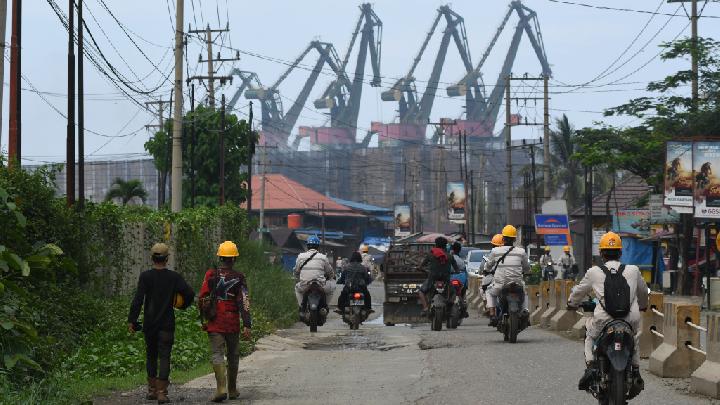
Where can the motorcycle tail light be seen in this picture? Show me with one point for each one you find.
(439, 284)
(456, 283)
(357, 296)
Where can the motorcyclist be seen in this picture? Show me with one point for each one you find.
(546, 263)
(354, 276)
(367, 260)
(437, 264)
(488, 273)
(312, 266)
(509, 263)
(567, 261)
(459, 271)
(594, 281)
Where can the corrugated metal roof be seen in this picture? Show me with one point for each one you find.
(360, 206)
(627, 192)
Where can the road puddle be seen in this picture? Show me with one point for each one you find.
(350, 341)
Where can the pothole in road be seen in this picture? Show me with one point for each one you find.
(349, 342)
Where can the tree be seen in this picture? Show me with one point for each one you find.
(206, 122)
(126, 190)
(565, 169)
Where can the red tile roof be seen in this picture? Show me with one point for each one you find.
(284, 194)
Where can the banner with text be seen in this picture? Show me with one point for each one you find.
(706, 159)
(678, 174)
(634, 222)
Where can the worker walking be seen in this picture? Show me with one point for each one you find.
(223, 301)
(159, 290)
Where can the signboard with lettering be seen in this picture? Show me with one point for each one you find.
(706, 160)
(678, 174)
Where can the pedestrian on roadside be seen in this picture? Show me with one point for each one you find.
(158, 291)
(223, 301)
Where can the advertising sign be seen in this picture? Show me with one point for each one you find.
(456, 201)
(678, 174)
(660, 214)
(403, 219)
(634, 222)
(552, 224)
(556, 240)
(706, 159)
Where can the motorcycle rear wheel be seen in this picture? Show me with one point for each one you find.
(437, 320)
(617, 388)
(513, 327)
(314, 315)
(454, 317)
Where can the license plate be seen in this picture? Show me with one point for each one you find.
(357, 302)
(618, 346)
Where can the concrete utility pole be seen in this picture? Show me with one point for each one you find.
(251, 153)
(70, 139)
(261, 223)
(3, 21)
(193, 146)
(221, 173)
(695, 73)
(81, 107)
(546, 141)
(15, 138)
(177, 164)
(162, 177)
(211, 77)
(508, 152)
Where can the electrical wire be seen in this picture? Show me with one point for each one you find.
(617, 8)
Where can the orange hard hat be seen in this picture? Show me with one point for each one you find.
(497, 240)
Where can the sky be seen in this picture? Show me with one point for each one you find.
(614, 52)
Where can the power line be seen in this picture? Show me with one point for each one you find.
(618, 9)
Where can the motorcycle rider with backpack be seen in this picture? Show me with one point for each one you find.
(621, 293)
(354, 275)
(313, 266)
(437, 264)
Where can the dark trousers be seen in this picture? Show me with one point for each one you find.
(158, 346)
(344, 299)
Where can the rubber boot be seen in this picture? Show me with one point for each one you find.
(232, 378)
(221, 383)
(588, 377)
(152, 389)
(162, 391)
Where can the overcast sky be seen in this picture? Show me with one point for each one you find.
(581, 43)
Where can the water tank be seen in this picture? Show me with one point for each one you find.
(294, 221)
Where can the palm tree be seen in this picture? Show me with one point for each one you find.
(566, 172)
(126, 190)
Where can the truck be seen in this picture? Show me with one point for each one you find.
(402, 280)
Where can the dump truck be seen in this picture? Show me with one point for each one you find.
(403, 278)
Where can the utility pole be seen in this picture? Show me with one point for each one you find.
(587, 240)
(322, 218)
(222, 152)
(251, 153)
(508, 152)
(70, 139)
(262, 192)
(3, 22)
(546, 143)
(15, 138)
(694, 53)
(177, 163)
(81, 107)
(193, 146)
(211, 61)
(162, 177)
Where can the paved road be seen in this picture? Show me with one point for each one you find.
(403, 364)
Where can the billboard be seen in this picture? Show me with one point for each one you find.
(706, 159)
(678, 174)
(552, 224)
(557, 240)
(660, 214)
(634, 222)
(456, 201)
(403, 219)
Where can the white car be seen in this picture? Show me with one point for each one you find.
(475, 261)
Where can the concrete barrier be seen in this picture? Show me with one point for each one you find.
(533, 296)
(556, 287)
(564, 319)
(580, 327)
(673, 358)
(706, 379)
(477, 297)
(543, 303)
(651, 321)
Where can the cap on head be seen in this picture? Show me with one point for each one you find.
(228, 249)
(497, 240)
(160, 250)
(509, 231)
(364, 248)
(610, 241)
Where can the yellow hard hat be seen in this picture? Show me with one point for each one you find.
(228, 249)
(610, 240)
(497, 240)
(566, 249)
(178, 301)
(364, 248)
(547, 248)
(509, 231)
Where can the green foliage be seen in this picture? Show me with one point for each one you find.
(206, 159)
(126, 190)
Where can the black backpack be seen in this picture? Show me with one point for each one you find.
(617, 293)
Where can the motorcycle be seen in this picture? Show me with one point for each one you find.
(549, 273)
(511, 317)
(458, 310)
(614, 382)
(355, 313)
(315, 309)
(441, 304)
